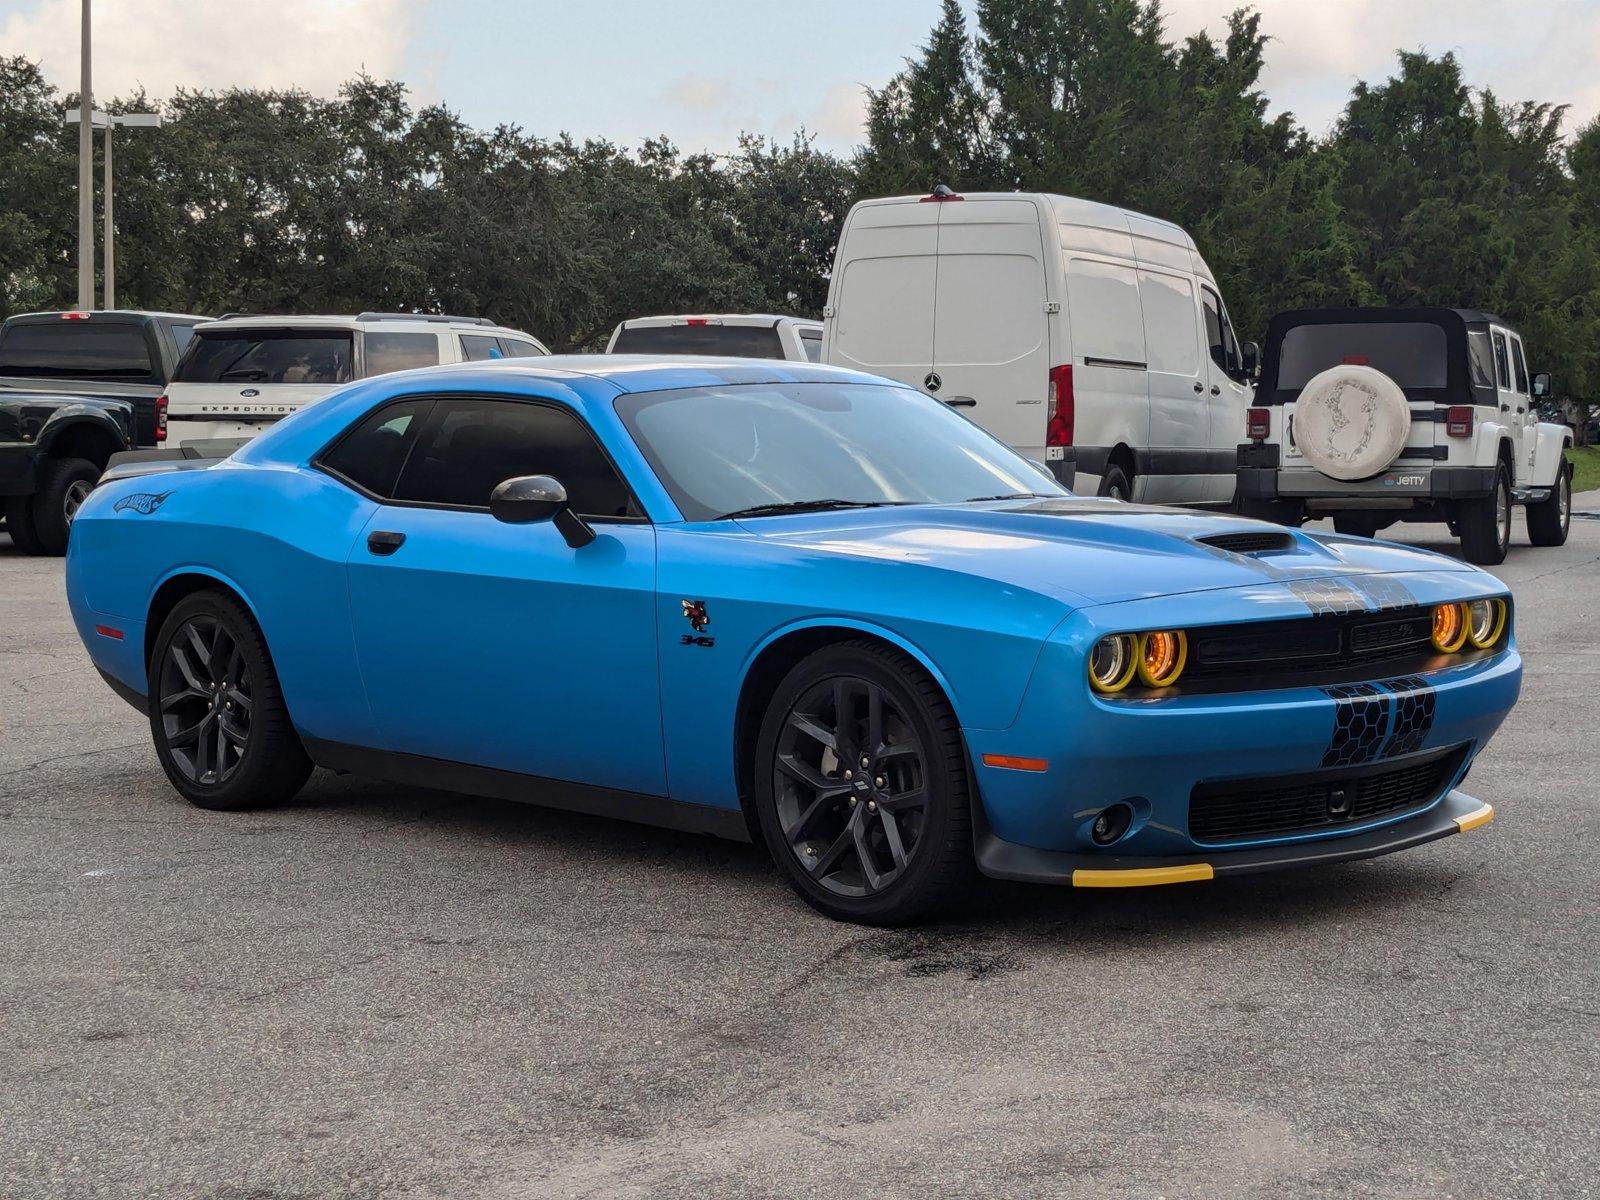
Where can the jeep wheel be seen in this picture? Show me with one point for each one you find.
(19, 524)
(64, 484)
(1549, 520)
(1486, 524)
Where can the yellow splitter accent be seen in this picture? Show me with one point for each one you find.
(1475, 818)
(1142, 876)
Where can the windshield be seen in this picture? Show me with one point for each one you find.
(1411, 353)
(83, 349)
(268, 356)
(733, 341)
(721, 450)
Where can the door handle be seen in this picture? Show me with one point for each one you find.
(962, 402)
(1521, 410)
(384, 543)
(1215, 390)
(1505, 408)
(1198, 388)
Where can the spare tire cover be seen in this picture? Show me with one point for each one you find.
(1351, 421)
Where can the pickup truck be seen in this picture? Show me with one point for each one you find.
(76, 388)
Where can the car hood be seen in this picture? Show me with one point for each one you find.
(1085, 551)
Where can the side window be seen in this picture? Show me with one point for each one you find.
(371, 455)
(517, 348)
(1212, 307)
(811, 343)
(1502, 371)
(1481, 359)
(470, 447)
(400, 351)
(1522, 367)
(475, 347)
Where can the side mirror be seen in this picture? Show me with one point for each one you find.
(1541, 384)
(1249, 359)
(529, 498)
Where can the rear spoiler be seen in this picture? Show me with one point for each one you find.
(191, 456)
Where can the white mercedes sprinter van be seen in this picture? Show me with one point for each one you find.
(1087, 337)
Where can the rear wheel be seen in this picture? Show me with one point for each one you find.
(64, 484)
(862, 793)
(19, 524)
(1116, 484)
(1549, 520)
(1486, 524)
(217, 714)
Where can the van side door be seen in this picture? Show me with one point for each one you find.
(1180, 410)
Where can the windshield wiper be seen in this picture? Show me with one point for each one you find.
(801, 506)
(1012, 496)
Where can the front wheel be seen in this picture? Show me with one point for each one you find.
(862, 792)
(1549, 520)
(217, 715)
(1486, 524)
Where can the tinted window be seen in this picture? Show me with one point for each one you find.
(721, 449)
(1481, 359)
(477, 347)
(371, 455)
(268, 356)
(737, 341)
(470, 447)
(182, 335)
(76, 350)
(517, 348)
(811, 343)
(1522, 367)
(1413, 354)
(387, 352)
(1501, 369)
(1219, 334)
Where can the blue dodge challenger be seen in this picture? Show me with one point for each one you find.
(789, 603)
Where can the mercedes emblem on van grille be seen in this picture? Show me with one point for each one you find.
(933, 383)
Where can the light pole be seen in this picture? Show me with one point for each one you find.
(108, 122)
(85, 179)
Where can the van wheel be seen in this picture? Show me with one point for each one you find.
(1549, 520)
(64, 484)
(19, 524)
(1116, 484)
(1486, 524)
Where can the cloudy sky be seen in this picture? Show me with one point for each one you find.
(700, 72)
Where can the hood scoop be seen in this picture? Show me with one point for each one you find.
(1256, 541)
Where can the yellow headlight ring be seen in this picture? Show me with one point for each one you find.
(1458, 637)
(1123, 680)
(1145, 676)
(1496, 630)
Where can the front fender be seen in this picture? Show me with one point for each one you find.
(80, 415)
(1547, 456)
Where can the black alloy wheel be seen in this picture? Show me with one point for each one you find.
(204, 694)
(862, 791)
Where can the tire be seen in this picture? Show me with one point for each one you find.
(1486, 524)
(64, 484)
(1358, 524)
(1549, 520)
(1116, 484)
(211, 672)
(858, 847)
(19, 524)
(1351, 421)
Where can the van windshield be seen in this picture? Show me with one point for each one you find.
(732, 341)
(1413, 353)
(268, 356)
(721, 450)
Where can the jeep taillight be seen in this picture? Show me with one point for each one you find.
(1258, 424)
(161, 417)
(1458, 420)
(1059, 408)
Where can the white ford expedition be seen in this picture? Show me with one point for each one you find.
(1377, 415)
(240, 374)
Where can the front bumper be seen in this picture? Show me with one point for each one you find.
(1402, 484)
(1457, 813)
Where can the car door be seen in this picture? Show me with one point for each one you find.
(1513, 408)
(1523, 406)
(1180, 410)
(500, 645)
(1228, 396)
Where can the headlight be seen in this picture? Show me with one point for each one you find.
(1486, 621)
(1162, 656)
(1113, 661)
(1449, 627)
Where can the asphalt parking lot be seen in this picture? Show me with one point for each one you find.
(382, 991)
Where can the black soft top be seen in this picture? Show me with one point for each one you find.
(1456, 323)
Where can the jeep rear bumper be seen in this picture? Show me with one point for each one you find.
(1404, 485)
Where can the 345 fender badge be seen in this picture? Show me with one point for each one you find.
(141, 502)
(694, 611)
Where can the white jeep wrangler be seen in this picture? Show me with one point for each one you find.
(1377, 415)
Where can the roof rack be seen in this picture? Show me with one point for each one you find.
(440, 318)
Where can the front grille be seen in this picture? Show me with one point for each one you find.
(1255, 542)
(1241, 810)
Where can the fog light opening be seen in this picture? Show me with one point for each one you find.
(1111, 824)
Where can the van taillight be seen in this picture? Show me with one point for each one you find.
(1059, 408)
(1258, 424)
(161, 417)
(1458, 421)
